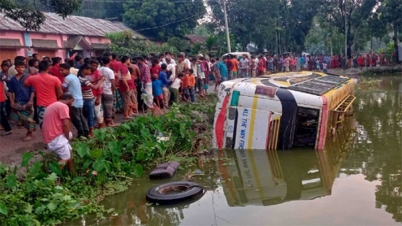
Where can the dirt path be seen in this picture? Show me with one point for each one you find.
(12, 147)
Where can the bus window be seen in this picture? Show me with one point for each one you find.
(306, 127)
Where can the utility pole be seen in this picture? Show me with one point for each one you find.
(346, 30)
(227, 26)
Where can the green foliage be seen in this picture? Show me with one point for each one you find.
(203, 30)
(355, 12)
(162, 19)
(104, 165)
(389, 13)
(124, 43)
(210, 43)
(324, 38)
(271, 24)
(105, 9)
(29, 15)
(182, 45)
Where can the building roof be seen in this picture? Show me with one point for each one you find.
(194, 39)
(72, 25)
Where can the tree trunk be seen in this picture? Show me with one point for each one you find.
(396, 43)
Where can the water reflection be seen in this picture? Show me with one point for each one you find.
(378, 152)
(270, 177)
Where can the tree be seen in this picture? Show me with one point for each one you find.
(182, 45)
(105, 9)
(348, 16)
(390, 12)
(277, 25)
(29, 15)
(210, 43)
(202, 30)
(123, 43)
(163, 19)
(249, 20)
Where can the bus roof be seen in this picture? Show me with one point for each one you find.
(314, 83)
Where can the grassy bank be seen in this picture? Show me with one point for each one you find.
(46, 195)
(389, 70)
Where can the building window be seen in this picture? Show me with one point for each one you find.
(2, 33)
(44, 35)
(99, 39)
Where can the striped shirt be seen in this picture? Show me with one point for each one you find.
(86, 89)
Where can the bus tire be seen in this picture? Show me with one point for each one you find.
(182, 191)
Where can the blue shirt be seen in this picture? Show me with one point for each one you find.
(223, 69)
(157, 87)
(163, 78)
(74, 88)
(22, 94)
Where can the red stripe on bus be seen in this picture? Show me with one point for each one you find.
(220, 122)
(324, 121)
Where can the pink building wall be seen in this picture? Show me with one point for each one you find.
(16, 35)
(96, 39)
(59, 38)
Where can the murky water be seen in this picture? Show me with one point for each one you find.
(357, 180)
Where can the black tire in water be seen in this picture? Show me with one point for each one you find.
(174, 192)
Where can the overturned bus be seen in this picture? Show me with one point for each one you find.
(281, 111)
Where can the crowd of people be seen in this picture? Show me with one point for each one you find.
(288, 62)
(88, 92)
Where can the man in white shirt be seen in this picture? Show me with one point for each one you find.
(73, 70)
(168, 57)
(172, 68)
(244, 66)
(186, 61)
(108, 90)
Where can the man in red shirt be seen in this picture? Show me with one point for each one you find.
(47, 88)
(95, 76)
(155, 69)
(55, 69)
(261, 66)
(114, 63)
(126, 85)
(56, 130)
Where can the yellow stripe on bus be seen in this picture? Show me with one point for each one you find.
(252, 119)
(255, 172)
(250, 142)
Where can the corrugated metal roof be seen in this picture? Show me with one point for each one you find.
(72, 25)
(196, 39)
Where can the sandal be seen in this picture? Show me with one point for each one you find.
(27, 138)
(7, 133)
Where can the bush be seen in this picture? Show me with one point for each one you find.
(124, 43)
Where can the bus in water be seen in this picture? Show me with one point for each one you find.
(281, 111)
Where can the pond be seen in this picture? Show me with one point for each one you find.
(355, 182)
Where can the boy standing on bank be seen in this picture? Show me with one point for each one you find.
(56, 130)
(21, 99)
